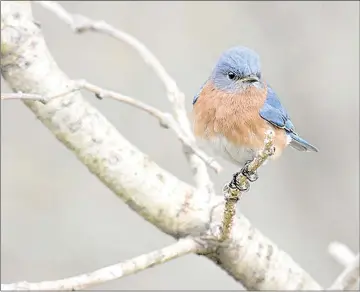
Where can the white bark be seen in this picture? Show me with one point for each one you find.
(349, 278)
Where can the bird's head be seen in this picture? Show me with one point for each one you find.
(237, 69)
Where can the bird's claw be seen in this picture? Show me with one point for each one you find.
(251, 176)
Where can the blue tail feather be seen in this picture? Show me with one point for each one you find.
(300, 144)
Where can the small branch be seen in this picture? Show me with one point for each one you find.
(349, 278)
(341, 253)
(166, 120)
(20, 95)
(232, 194)
(31, 96)
(80, 24)
(173, 251)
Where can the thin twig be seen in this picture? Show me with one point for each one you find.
(349, 279)
(32, 96)
(166, 120)
(232, 195)
(80, 23)
(120, 270)
(20, 95)
(341, 253)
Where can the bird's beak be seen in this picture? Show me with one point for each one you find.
(250, 78)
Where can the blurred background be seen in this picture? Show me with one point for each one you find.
(58, 220)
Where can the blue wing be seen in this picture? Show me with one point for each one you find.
(198, 94)
(273, 112)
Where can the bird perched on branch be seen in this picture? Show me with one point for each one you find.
(235, 107)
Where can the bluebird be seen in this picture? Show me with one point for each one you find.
(235, 107)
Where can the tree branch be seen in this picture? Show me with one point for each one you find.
(84, 281)
(349, 279)
(173, 206)
(341, 253)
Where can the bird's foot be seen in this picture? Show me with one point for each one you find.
(251, 176)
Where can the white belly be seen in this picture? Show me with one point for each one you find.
(220, 146)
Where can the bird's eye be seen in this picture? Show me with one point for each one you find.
(231, 75)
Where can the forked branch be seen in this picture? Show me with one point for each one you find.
(80, 24)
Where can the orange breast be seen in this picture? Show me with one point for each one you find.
(235, 116)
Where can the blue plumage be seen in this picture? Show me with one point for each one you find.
(274, 112)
